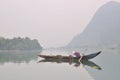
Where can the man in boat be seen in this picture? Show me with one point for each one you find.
(74, 54)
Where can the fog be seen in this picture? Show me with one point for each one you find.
(53, 22)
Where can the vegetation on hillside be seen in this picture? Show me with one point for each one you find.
(19, 44)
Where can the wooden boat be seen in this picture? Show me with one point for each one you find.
(85, 57)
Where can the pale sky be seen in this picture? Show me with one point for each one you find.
(53, 22)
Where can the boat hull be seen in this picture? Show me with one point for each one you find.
(85, 57)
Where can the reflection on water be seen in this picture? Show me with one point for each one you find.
(25, 66)
(75, 62)
(109, 61)
(32, 67)
(18, 56)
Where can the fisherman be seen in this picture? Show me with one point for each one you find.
(76, 54)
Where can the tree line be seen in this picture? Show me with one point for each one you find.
(19, 43)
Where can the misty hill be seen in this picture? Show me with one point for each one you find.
(19, 44)
(103, 29)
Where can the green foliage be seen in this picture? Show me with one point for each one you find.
(19, 44)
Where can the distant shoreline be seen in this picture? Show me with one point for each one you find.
(19, 44)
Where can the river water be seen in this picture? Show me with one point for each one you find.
(26, 65)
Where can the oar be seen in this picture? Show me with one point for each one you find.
(82, 55)
(80, 58)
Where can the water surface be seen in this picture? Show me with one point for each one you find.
(26, 66)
